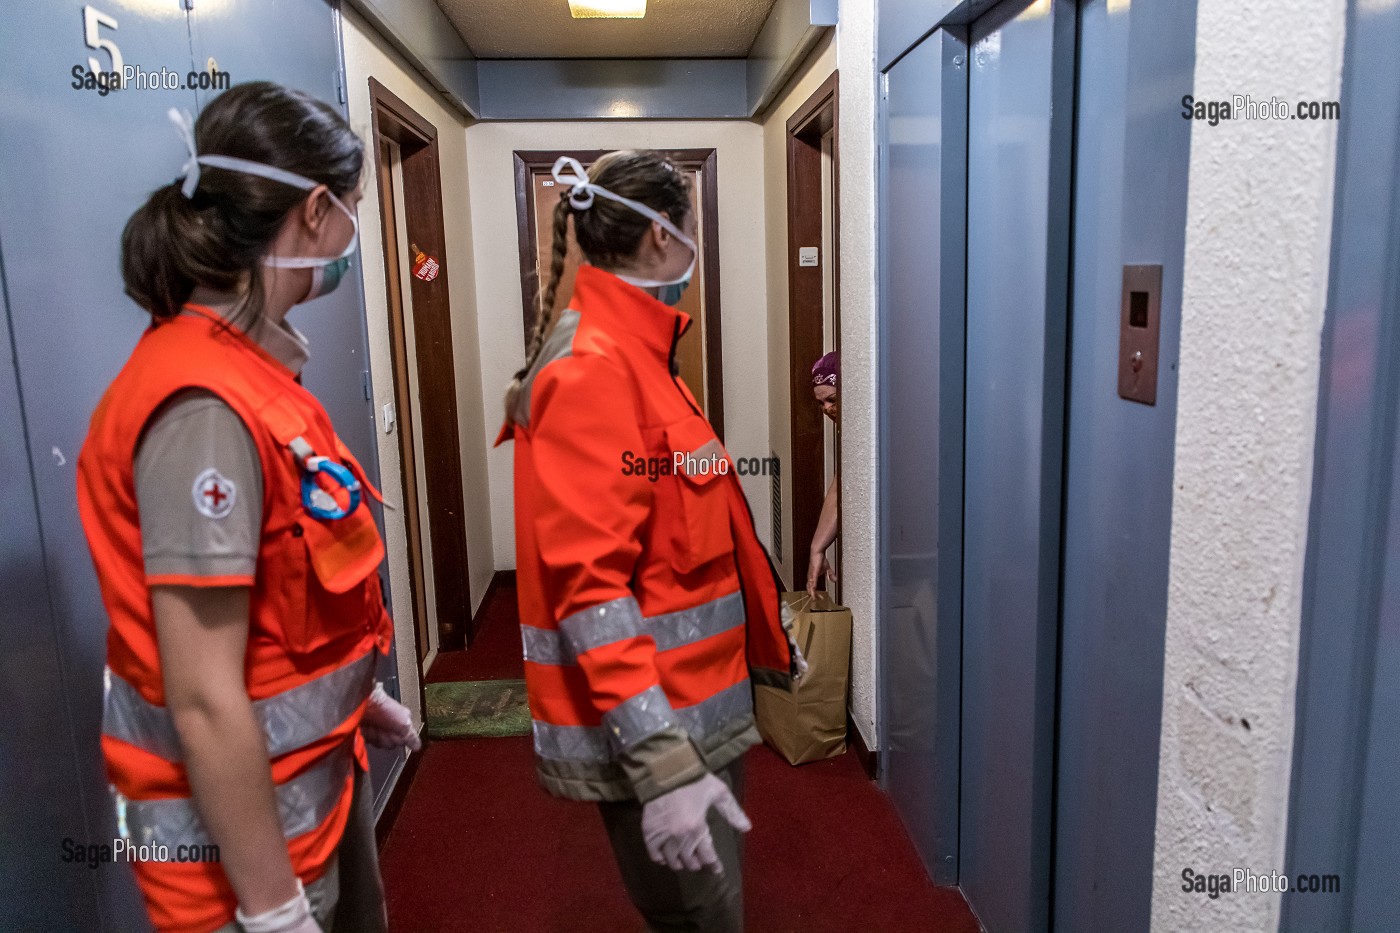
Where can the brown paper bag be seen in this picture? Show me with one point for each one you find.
(808, 723)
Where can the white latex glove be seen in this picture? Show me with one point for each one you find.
(799, 663)
(675, 829)
(388, 723)
(292, 917)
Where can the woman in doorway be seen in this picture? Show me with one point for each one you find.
(237, 559)
(647, 603)
(825, 373)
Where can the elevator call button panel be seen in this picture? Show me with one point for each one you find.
(1139, 326)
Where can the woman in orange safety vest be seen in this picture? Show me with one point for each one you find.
(648, 605)
(237, 557)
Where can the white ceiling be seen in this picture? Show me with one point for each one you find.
(671, 29)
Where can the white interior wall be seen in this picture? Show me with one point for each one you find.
(743, 287)
(368, 55)
(1258, 230)
(855, 59)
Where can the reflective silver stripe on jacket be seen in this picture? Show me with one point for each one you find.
(303, 803)
(603, 624)
(592, 743)
(290, 719)
(557, 345)
(637, 717)
(584, 630)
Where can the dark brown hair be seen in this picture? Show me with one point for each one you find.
(221, 234)
(607, 232)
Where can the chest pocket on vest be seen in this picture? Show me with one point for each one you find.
(701, 532)
(336, 592)
(331, 593)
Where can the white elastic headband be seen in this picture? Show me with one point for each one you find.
(184, 123)
(581, 196)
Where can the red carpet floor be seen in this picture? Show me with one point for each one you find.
(478, 846)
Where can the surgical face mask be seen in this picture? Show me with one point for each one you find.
(671, 294)
(581, 197)
(326, 271)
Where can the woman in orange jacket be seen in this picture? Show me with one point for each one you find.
(648, 606)
(237, 559)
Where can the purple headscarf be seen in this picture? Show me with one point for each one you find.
(825, 370)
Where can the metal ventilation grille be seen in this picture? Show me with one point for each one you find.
(777, 499)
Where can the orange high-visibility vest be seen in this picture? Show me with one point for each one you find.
(317, 624)
(647, 602)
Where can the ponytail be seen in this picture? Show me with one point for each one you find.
(173, 243)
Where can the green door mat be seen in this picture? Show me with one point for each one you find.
(491, 708)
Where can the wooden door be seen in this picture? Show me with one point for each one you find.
(698, 352)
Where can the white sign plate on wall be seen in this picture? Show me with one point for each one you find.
(807, 256)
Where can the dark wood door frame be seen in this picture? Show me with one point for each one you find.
(530, 162)
(805, 129)
(432, 324)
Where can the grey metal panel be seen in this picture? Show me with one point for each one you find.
(646, 89)
(791, 30)
(903, 23)
(1132, 156)
(423, 34)
(1343, 807)
(1017, 233)
(39, 784)
(76, 166)
(922, 253)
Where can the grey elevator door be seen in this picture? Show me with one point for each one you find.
(1131, 161)
(76, 165)
(922, 249)
(1345, 807)
(1022, 60)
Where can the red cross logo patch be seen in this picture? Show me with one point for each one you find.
(214, 494)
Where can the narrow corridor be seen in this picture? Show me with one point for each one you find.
(479, 846)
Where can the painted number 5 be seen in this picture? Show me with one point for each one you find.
(92, 19)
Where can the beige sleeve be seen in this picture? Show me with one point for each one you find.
(199, 492)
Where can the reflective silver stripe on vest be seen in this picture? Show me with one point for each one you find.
(290, 719)
(582, 631)
(591, 743)
(303, 803)
(127, 716)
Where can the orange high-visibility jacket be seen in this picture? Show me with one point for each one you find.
(647, 602)
(317, 623)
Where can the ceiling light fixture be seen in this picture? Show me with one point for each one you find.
(608, 9)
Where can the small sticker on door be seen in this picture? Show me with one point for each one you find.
(807, 256)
